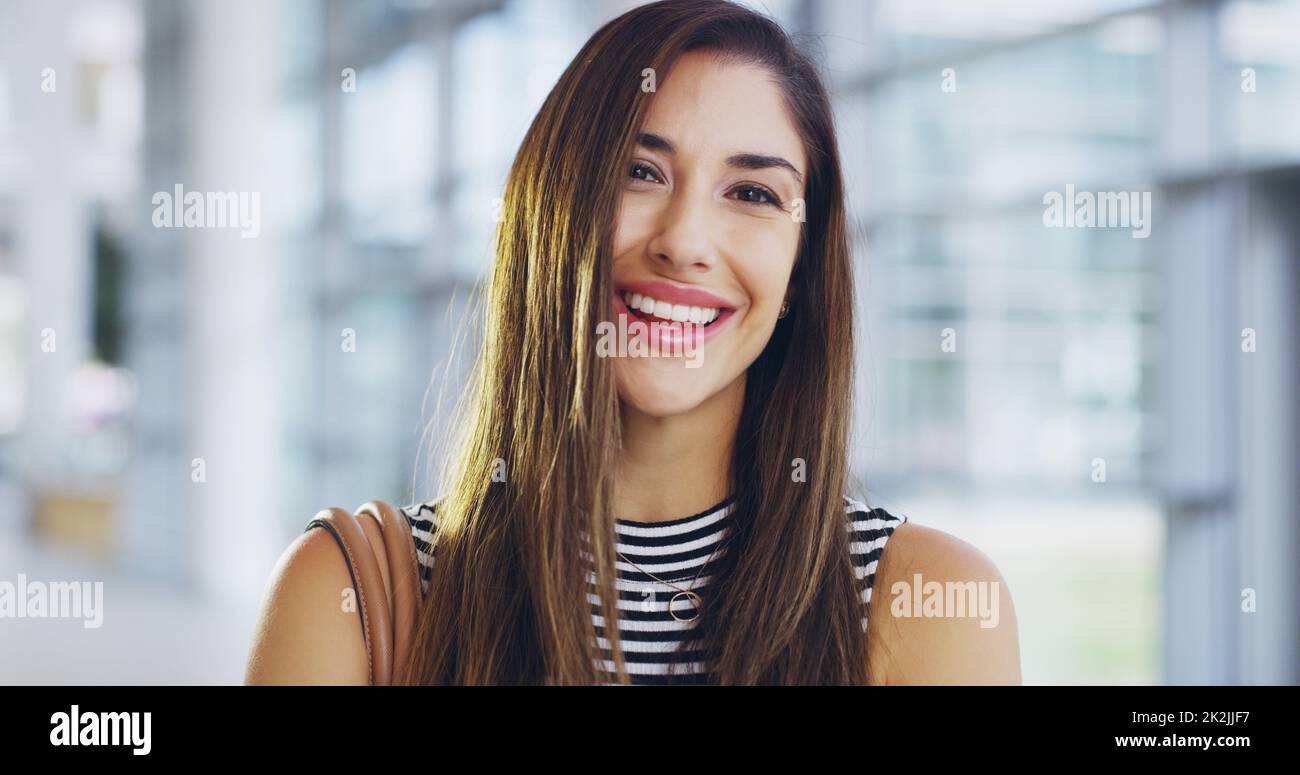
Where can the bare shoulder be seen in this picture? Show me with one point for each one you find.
(305, 634)
(940, 613)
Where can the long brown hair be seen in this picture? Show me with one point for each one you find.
(507, 600)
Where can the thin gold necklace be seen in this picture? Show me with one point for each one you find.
(688, 593)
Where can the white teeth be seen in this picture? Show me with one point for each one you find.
(680, 313)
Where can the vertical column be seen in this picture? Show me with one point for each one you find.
(231, 376)
(154, 516)
(53, 226)
(1192, 225)
(1269, 439)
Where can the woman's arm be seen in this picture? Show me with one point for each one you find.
(909, 644)
(306, 634)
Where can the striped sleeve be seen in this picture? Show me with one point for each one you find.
(870, 529)
(423, 520)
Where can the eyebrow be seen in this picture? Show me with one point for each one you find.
(748, 161)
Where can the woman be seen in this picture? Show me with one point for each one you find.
(684, 168)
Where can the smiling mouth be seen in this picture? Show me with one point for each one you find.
(652, 310)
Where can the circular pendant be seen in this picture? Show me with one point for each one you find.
(696, 601)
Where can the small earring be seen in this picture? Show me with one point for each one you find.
(785, 309)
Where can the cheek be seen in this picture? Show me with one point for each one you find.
(771, 238)
(631, 224)
(763, 259)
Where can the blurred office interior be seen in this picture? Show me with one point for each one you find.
(128, 352)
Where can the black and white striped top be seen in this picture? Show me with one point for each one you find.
(674, 550)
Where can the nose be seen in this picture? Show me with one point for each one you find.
(683, 241)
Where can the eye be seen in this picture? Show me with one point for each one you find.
(752, 193)
(645, 169)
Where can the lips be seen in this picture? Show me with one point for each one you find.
(649, 308)
(677, 294)
(670, 335)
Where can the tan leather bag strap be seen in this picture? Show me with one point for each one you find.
(403, 571)
(380, 554)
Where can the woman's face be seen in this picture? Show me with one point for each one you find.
(708, 220)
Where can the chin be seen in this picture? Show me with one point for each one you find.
(662, 391)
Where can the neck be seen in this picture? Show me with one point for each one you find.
(671, 467)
